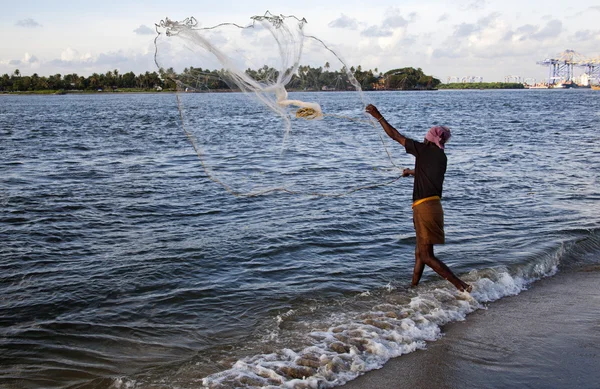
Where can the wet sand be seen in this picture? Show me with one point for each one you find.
(546, 337)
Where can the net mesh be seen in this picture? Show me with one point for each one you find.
(286, 133)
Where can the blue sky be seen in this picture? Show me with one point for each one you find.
(451, 38)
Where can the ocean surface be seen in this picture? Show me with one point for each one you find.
(270, 256)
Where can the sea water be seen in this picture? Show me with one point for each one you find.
(122, 265)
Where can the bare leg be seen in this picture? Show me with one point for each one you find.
(419, 267)
(426, 256)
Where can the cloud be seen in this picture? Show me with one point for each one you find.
(552, 29)
(527, 29)
(490, 20)
(344, 22)
(27, 60)
(30, 59)
(465, 29)
(28, 23)
(71, 61)
(474, 5)
(407, 41)
(491, 37)
(586, 35)
(144, 30)
(446, 53)
(72, 58)
(72, 55)
(377, 32)
(443, 18)
(111, 59)
(586, 11)
(393, 21)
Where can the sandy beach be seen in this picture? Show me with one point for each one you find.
(546, 337)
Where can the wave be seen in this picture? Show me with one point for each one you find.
(387, 324)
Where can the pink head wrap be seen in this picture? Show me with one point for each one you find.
(438, 135)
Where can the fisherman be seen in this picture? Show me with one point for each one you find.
(428, 215)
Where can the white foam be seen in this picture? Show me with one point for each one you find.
(123, 383)
(368, 340)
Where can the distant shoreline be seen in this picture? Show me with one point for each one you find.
(83, 92)
(451, 86)
(140, 91)
(137, 91)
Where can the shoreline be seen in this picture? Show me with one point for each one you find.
(545, 337)
(216, 91)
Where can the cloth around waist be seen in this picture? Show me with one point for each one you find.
(430, 198)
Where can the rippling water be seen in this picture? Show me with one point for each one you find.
(123, 265)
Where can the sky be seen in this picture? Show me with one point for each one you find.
(449, 39)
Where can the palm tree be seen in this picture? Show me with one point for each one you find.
(117, 77)
(94, 81)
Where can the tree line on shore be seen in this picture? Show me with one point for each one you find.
(73, 82)
(306, 78)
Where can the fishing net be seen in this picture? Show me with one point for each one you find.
(277, 126)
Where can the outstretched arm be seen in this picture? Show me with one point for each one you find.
(391, 131)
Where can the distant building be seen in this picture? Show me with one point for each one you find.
(379, 84)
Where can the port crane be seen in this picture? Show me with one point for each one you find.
(562, 68)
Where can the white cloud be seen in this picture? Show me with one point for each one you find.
(392, 22)
(474, 5)
(27, 60)
(586, 35)
(71, 61)
(69, 54)
(30, 59)
(144, 30)
(28, 23)
(465, 30)
(377, 32)
(395, 21)
(344, 22)
(491, 37)
(552, 29)
(586, 11)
